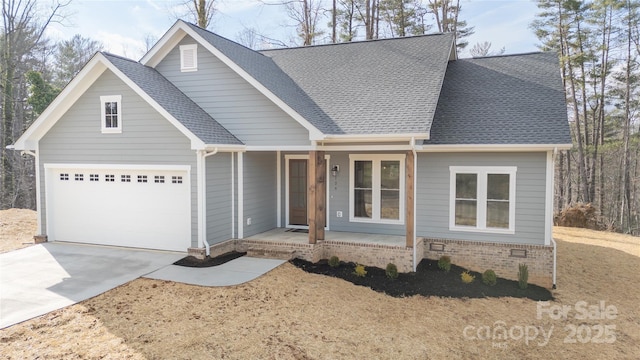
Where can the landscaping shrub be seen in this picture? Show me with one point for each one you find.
(489, 277)
(391, 271)
(467, 278)
(360, 271)
(334, 261)
(523, 276)
(444, 263)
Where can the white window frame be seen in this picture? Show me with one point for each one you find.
(376, 160)
(481, 208)
(118, 100)
(183, 50)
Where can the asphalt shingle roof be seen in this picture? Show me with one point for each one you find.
(174, 101)
(514, 99)
(385, 86)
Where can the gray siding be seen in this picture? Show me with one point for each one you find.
(146, 138)
(259, 192)
(433, 195)
(232, 101)
(218, 172)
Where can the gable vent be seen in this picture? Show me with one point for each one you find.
(189, 57)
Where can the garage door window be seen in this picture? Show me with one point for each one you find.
(93, 177)
(125, 178)
(79, 177)
(159, 179)
(176, 179)
(64, 176)
(142, 178)
(109, 178)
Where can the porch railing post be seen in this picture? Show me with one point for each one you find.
(316, 206)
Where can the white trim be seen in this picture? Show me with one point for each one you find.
(288, 157)
(119, 167)
(548, 206)
(225, 148)
(280, 148)
(38, 192)
(376, 159)
(240, 195)
(481, 208)
(374, 137)
(103, 125)
(233, 197)
(492, 148)
(201, 191)
(155, 55)
(183, 50)
(374, 147)
(278, 189)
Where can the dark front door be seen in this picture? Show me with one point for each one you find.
(297, 192)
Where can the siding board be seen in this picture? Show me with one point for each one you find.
(433, 195)
(232, 101)
(146, 138)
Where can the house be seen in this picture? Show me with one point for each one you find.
(386, 151)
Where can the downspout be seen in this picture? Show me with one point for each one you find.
(415, 202)
(203, 177)
(555, 245)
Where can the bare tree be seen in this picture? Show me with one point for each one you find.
(199, 11)
(482, 49)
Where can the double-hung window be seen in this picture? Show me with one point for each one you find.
(482, 198)
(377, 188)
(111, 114)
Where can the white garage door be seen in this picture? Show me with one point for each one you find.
(134, 206)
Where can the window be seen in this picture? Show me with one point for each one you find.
(189, 57)
(176, 179)
(93, 177)
(125, 178)
(109, 178)
(79, 177)
(158, 179)
(482, 199)
(377, 188)
(64, 177)
(111, 114)
(142, 178)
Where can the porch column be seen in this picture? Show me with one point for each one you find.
(316, 195)
(409, 186)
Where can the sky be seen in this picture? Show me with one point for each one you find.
(123, 25)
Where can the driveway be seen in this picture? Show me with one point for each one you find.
(47, 277)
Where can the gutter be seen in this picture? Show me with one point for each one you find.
(207, 246)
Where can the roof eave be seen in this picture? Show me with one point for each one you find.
(340, 138)
(493, 147)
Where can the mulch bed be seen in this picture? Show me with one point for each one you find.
(428, 280)
(192, 261)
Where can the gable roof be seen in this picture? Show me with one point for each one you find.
(161, 94)
(175, 102)
(331, 88)
(511, 99)
(387, 86)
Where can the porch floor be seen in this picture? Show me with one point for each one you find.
(298, 237)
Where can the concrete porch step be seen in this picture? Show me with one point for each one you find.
(279, 254)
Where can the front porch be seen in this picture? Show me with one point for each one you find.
(369, 249)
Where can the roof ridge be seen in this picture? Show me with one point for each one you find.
(508, 55)
(106, 53)
(365, 41)
(219, 36)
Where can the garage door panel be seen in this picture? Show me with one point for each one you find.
(111, 207)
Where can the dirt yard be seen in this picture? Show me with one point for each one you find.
(17, 227)
(290, 314)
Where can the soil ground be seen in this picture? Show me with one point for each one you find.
(192, 261)
(292, 314)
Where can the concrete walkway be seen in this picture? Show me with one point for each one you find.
(46, 277)
(234, 272)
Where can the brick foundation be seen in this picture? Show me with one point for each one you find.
(39, 239)
(480, 256)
